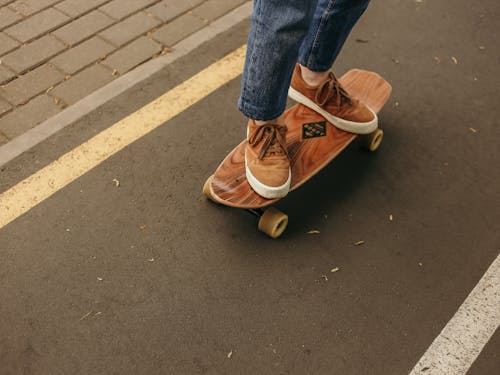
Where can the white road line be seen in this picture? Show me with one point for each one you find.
(85, 106)
(458, 345)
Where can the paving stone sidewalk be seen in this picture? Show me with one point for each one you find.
(55, 52)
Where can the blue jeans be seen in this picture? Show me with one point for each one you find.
(284, 32)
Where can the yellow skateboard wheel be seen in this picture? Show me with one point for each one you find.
(372, 141)
(206, 188)
(273, 222)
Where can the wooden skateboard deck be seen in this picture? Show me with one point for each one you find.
(312, 143)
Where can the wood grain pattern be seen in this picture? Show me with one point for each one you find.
(229, 185)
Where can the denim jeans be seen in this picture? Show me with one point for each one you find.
(284, 32)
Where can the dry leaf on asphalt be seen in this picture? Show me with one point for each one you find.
(86, 315)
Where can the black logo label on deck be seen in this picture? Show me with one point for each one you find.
(314, 130)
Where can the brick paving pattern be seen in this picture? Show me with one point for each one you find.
(55, 52)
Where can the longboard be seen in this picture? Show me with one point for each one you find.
(312, 144)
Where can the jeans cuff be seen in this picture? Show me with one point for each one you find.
(258, 113)
(314, 66)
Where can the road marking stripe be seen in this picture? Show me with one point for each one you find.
(33, 190)
(464, 337)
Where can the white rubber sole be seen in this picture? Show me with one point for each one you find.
(349, 126)
(268, 192)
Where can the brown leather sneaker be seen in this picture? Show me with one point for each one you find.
(330, 100)
(266, 159)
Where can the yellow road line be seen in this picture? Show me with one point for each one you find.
(33, 190)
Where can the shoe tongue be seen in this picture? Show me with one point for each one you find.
(274, 147)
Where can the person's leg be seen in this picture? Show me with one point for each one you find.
(313, 84)
(278, 28)
(331, 25)
(277, 31)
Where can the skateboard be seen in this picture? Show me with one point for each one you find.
(312, 143)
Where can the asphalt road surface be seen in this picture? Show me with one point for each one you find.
(129, 270)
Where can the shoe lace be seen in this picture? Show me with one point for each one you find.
(332, 88)
(274, 139)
